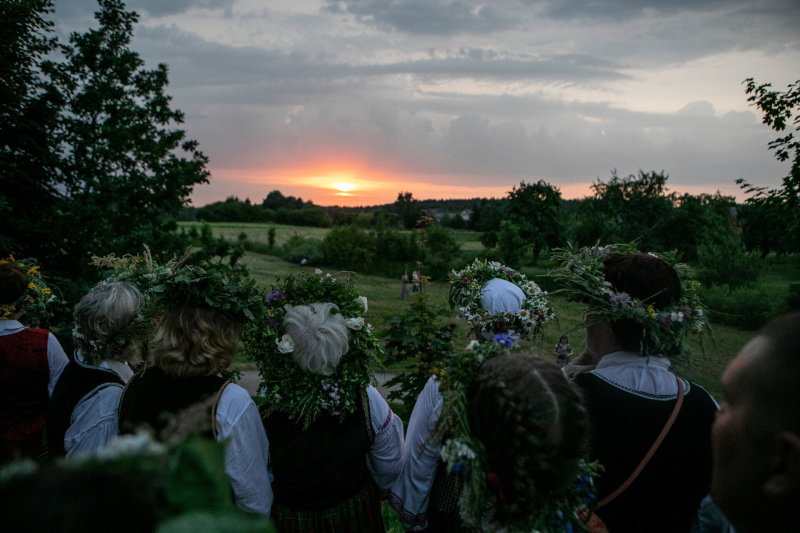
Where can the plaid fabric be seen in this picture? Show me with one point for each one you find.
(443, 508)
(360, 513)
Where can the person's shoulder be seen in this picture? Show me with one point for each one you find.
(235, 393)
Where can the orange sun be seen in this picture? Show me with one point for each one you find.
(344, 187)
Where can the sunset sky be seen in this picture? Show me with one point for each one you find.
(350, 102)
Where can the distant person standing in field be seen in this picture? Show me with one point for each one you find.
(404, 285)
(562, 351)
(415, 281)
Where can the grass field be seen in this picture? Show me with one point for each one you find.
(710, 353)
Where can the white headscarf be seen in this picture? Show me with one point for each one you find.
(501, 296)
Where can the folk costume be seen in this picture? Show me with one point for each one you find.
(321, 479)
(31, 361)
(651, 430)
(195, 398)
(152, 398)
(629, 399)
(83, 414)
(335, 443)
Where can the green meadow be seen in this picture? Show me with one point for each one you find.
(711, 352)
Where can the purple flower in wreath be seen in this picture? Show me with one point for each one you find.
(275, 295)
(620, 299)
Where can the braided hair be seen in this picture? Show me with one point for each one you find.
(533, 428)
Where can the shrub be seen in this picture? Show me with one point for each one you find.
(793, 298)
(348, 247)
(298, 248)
(747, 308)
(728, 263)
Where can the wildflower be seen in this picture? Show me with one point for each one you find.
(355, 323)
(651, 311)
(285, 344)
(46, 291)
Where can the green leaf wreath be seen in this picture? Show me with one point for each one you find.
(665, 330)
(223, 288)
(287, 388)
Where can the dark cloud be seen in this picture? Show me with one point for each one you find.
(158, 8)
(427, 17)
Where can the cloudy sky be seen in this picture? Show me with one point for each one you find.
(466, 98)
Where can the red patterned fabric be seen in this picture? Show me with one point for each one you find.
(24, 375)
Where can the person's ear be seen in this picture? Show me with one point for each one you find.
(785, 477)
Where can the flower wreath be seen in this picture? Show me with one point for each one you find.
(466, 287)
(665, 330)
(462, 455)
(38, 295)
(287, 388)
(222, 288)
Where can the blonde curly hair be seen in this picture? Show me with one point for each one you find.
(195, 341)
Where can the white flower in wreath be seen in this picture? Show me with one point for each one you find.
(285, 344)
(363, 301)
(355, 323)
(472, 345)
(318, 272)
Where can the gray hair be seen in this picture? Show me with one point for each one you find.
(321, 338)
(102, 317)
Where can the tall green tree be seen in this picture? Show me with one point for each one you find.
(407, 209)
(535, 208)
(624, 209)
(29, 108)
(781, 110)
(127, 167)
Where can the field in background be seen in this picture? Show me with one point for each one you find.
(711, 354)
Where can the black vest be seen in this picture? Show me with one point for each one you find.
(323, 465)
(666, 494)
(77, 381)
(152, 398)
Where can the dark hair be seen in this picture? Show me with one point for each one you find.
(647, 278)
(533, 428)
(780, 389)
(563, 337)
(13, 283)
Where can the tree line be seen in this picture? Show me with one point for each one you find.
(94, 160)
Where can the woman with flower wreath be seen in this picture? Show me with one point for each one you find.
(328, 469)
(109, 333)
(650, 429)
(500, 305)
(185, 393)
(31, 361)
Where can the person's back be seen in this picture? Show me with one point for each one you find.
(31, 361)
(650, 430)
(625, 423)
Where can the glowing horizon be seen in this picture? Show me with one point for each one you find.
(362, 188)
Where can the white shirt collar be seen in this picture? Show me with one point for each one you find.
(629, 359)
(649, 375)
(8, 327)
